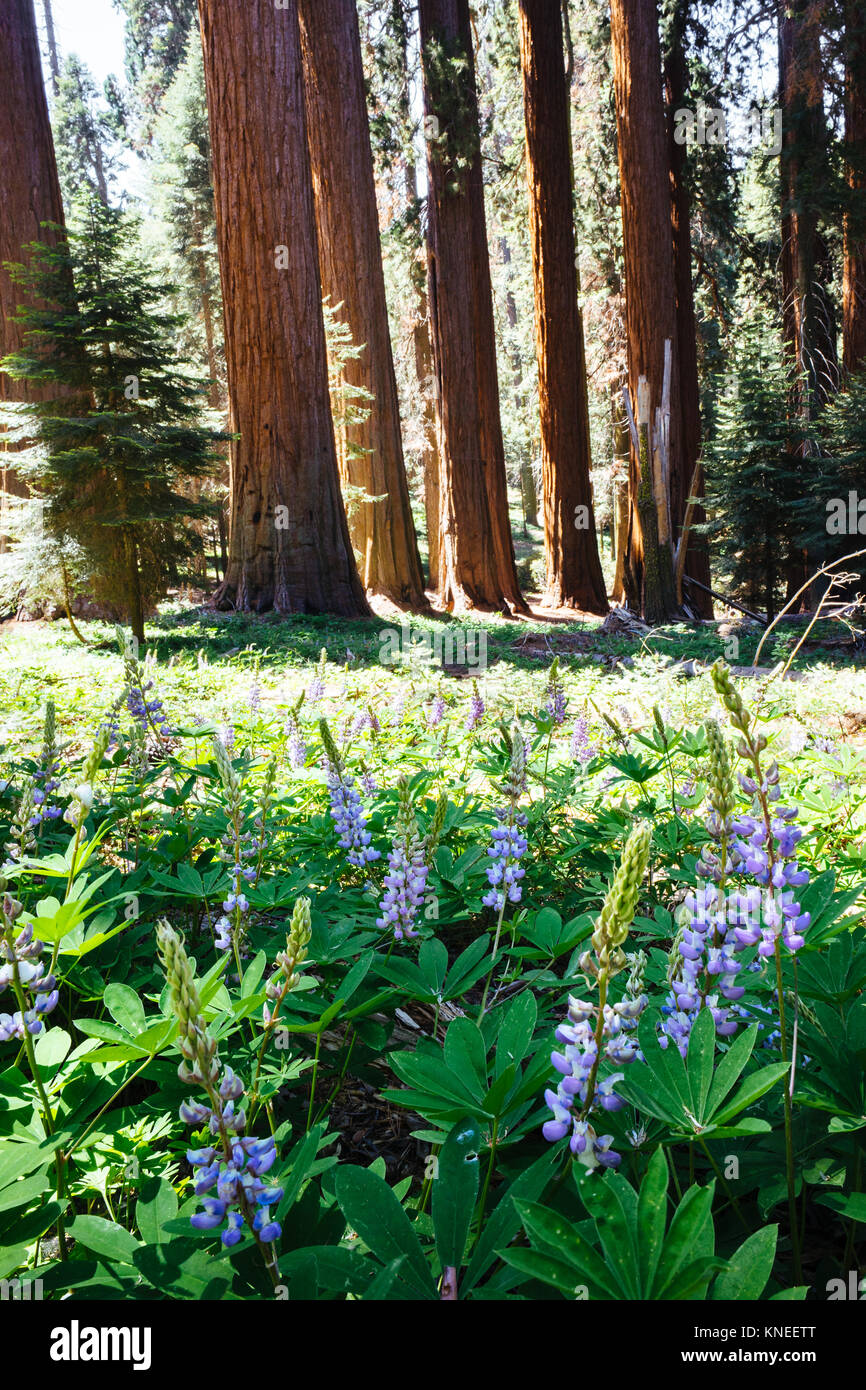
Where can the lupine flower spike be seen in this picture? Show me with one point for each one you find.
(408, 866)
(346, 812)
(237, 845)
(35, 992)
(601, 1030)
(232, 1167)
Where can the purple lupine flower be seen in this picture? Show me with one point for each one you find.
(348, 817)
(297, 746)
(237, 1179)
(476, 709)
(20, 956)
(406, 878)
(508, 847)
(582, 750)
(436, 712)
(555, 701)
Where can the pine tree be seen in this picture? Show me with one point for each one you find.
(760, 508)
(112, 450)
(83, 135)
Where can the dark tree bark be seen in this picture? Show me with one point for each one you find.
(697, 561)
(650, 285)
(476, 551)
(809, 320)
(573, 568)
(289, 545)
(31, 191)
(854, 275)
(350, 257)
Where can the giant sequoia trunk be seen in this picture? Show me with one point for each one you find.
(289, 545)
(697, 561)
(573, 568)
(854, 277)
(476, 552)
(650, 285)
(30, 190)
(808, 315)
(350, 257)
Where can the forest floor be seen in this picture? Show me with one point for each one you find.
(206, 664)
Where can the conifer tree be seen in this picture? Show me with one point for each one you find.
(111, 450)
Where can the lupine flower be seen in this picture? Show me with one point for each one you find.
(436, 712)
(284, 978)
(509, 843)
(476, 709)
(346, 811)
(601, 1031)
(555, 701)
(316, 688)
(582, 750)
(35, 992)
(406, 878)
(297, 746)
(83, 795)
(236, 846)
(234, 1165)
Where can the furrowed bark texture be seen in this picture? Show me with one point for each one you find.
(30, 189)
(350, 258)
(697, 564)
(854, 274)
(289, 547)
(476, 552)
(650, 286)
(573, 568)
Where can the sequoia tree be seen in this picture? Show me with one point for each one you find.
(31, 191)
(650, 289)
(350, 257)
(697, 560)
(573, 568)
(289, 545)
(854, 277)
(476, 551)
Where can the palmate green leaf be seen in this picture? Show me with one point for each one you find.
(690, 1223)
(105, 1238)
(561, 1240)
(455, 1190)
(466, 1056)
(614, 1208)
(539, 1264)
(751, 1090)
(157, 1204)
(503, 1223)
(699, 1061)
(749, 1268)
(373, 1211)
(427, 1075)
(515, 1033)
(731, 1066)
(652, 1218)
(125, 1007)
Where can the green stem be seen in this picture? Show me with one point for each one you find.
(313, 1081)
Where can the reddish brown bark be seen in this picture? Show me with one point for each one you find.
(854, 274)
(350, 257)
(476, 551)
(650, 285)
(573, 568)
(289, 546)
(697, 562)
(31, 192)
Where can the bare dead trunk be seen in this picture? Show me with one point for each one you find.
(289, 547)
(573, 567)
(350, 257)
